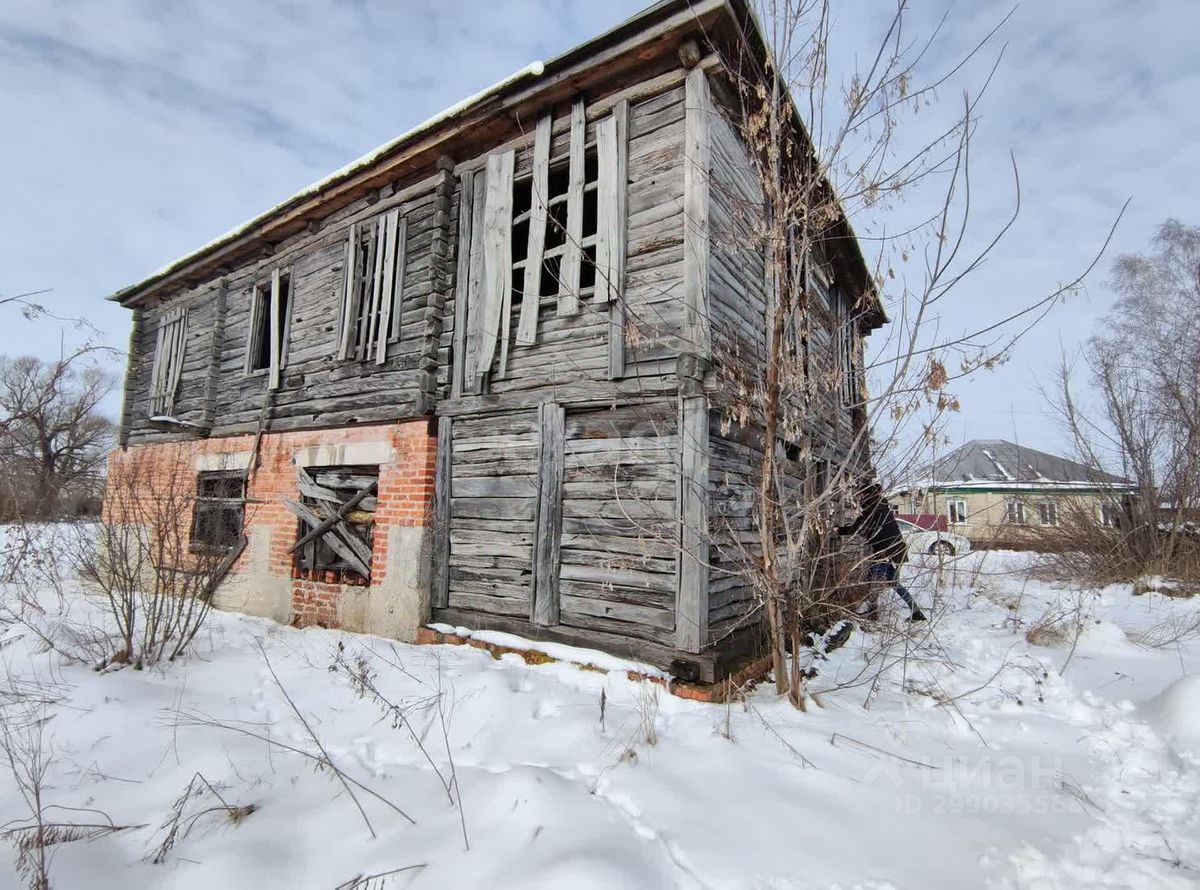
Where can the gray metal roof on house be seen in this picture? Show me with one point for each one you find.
(999, 463)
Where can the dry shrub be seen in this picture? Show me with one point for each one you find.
(158, 585)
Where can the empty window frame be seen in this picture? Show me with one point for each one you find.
(348, 546)
(373, 287)
(168, 361)
(219, 511)
(554, 232)
(956, 511)
(1048, 513)
(1014, 511)
(270, 323)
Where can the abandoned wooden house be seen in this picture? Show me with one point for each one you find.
(467, 378)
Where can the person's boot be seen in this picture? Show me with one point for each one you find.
(917, 615)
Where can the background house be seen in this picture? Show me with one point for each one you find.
(1000, 494)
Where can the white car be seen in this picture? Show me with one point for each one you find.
(920, 540)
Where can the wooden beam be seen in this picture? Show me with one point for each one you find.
(531, 293)
(329, 522)
(462, 273)
(691, 601)
(440, 587)
(568, 275)
(696, 172)
(544, 610)
(340, 547)
(619, 246)
(497, 260)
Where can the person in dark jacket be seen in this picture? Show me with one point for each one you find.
(877, 524)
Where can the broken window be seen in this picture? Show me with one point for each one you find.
(373, 286)
(270, 321)
(554, 232)
(219, 511)
(337, 521)
(168, 360)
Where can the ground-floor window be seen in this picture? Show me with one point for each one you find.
(1014, 512)
(1110, 514)
(1048, 512)
(956, 510)
(219, 511)
(337, 524)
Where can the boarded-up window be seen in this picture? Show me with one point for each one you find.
(219, 510)
(373, 285)
(270, 322)
(347, 493)
(168, 361)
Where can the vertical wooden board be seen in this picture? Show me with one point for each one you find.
(158, 370)
(548, 528)
(275, 372)
(497, 257)
(368, 325)
(462, 274)
(179, 350)
(252, 330)
(393, 227)
(691, 602)
(346, 313)
(532, 290)
(619, 225)
(606, 211)
(568, 286)
(696, 172)
(440, 592)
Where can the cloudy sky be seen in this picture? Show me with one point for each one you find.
(137, 131)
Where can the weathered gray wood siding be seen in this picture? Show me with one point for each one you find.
(571, 353)
(317, 389)
(191, 397)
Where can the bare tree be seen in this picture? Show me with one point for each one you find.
(1141, 417)
(53, 433)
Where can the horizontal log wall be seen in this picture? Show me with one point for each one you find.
(316, 388)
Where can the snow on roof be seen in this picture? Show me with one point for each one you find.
(533, 69)
(986, 463)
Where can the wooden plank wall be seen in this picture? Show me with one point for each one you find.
(316, 388)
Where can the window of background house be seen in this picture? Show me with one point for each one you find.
(219, 511)
(1014, 512)
(956, 510)
(347, 549)
(1048, 512)
(1110, 515)
(269, 324)
(373, 287)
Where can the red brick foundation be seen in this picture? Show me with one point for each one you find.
(404, 497)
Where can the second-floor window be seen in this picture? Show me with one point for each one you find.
(270, 318)
(845, 338)
(168, 361)
(372, 288)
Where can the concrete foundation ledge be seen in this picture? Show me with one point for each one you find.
(533, 652)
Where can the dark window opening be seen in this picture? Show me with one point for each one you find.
(260, 345)
(219, 511)
(355, 532)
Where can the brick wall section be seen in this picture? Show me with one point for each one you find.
(404, 497)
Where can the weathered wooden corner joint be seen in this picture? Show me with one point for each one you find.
(473, 378)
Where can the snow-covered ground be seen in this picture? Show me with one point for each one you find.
(969, 762)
